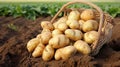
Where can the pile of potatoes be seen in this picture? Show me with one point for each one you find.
(65, 37)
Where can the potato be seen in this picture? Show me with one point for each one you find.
(47, 25)
(65, 52)
(56, 32)
(74, 34)
(61, 20)
(87, 14)
(81, 22)
(32, 44)
(45, 37)
(73, 24)
(74, 15)
(59, 41)
(90, 25)
(48, 53)
(90, 36)
(62, 26)
(45, 30)
(82, 47)
(38, 50)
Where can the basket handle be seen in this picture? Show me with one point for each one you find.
(90, 4)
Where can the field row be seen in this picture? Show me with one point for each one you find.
(33, 10)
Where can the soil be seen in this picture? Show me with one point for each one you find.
(13, 52)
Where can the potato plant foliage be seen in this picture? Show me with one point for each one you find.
(34, 10)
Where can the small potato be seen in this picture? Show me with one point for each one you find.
(62, 26)
(65, 52)
(32, 44)
(81, 22)
(48, 53)
(87, 14)
(45, 37)
(82, 47)
(90, 36)
(38, 50)
(74, 34)
(47, 25)
(73, 24)
(56, 32)
(59, 41)
(74, 15)
(90, 25)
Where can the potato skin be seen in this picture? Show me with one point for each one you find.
(90, 36)
(74, 15)
(74, 34)
(45, 37)
(48, 53)
(73, 24)
(82, 47)
(65, 52)
(56, 32)
(38, 50)
(47, 25)
(87, 14)
(62, 26)
(32, 44)
(59, 41)
(90, 25)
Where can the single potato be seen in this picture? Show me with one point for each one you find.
(82, 47)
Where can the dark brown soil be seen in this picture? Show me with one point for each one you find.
(13, 51)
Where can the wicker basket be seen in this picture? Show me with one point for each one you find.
(105, 24)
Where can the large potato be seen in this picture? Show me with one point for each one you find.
(82, 47)
(38, 50)
(87, 14)
(90, 25)
(32, 44)
(74, 34)
(47, 25)
(59, 41)
(91, 36)
(65, 52)
(74, 15)
(48, 53)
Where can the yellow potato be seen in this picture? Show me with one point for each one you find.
(56, 32)
(59, 41)
(74, 34)
(90, 25)
(87, 14)
(74, 15)
(62, 26)
(90, 36)
(82, 47)
(47, 25)
(32, 44)
(45, 37)
(65, 52)
(48, 53)
(45, 30)
(81, 22)
(38, 50)
(73, 24)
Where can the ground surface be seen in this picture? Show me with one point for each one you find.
(13, 51)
